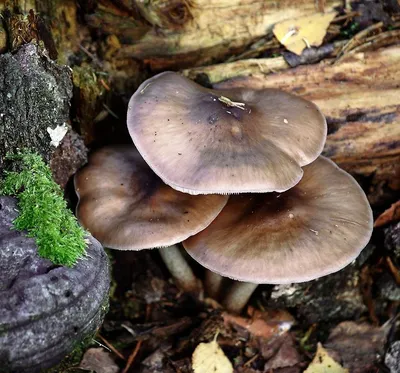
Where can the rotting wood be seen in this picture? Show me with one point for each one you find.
(53, 22)
(253, 66)
(179, 33)
(225, 71)
(360, 98)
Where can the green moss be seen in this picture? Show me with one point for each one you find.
(43, 210)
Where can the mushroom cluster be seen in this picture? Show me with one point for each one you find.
(236, 176)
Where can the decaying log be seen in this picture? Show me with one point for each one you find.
(360, 98)
(182, 33)
(35, 96)
(51, 22)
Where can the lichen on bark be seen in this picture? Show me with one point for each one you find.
(35, 94)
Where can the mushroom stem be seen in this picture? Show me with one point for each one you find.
(213, 282)
(179, 268)
(238, 295)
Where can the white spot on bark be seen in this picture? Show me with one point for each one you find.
(57, 134)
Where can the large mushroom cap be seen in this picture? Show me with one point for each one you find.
(126, 206)
(203, 141)
(312, 230)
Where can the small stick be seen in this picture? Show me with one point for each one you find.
(92, 56)
(306, 336)
(105, 85)
(357, 39)
(110, 111)
(375, 41)
(306, 42)
(290, 33)
(248, 362)
(227, 101)
(346, 16)
(132, 357)
(394, 270)
(111, 347)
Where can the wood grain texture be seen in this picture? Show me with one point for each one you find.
(179, 33)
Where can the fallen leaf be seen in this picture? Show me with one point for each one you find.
(209, 358)
(298, 33)
(359, 346)
(98, 360)
(392, 214)
(286, 356)
(323, 363)
(264, 324)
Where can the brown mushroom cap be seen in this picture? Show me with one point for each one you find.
(312, 230)
(126, 206)
(203, 141)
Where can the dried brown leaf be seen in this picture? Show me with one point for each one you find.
(392, 214)
(98, 360)
(266, 324)
(358, 345)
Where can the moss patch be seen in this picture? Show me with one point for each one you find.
(43, 210)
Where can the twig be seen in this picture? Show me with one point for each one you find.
(394, 270)
(366, 288)
(105, 85)
(248, 362)
(346, 16)
(377, 41)
(307, 335)
(357, 39)
(91, 55)
(129, 330)
(132, 357)
(227, 101)
(111, 347)
(110, 111)
(101, 345)
(289, 34)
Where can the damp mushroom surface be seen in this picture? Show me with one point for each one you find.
(314, 229)
(128, 207)
(205, 141)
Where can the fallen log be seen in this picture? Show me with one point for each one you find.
(184, 33)
(359, 96)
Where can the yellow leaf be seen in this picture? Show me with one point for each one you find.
(209, 358)
(298, 33)
(323, 363)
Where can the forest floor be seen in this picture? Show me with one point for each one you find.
(152, 326)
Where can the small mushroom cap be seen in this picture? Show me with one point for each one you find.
(127, 207)
(314, 229)
(204, 141)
